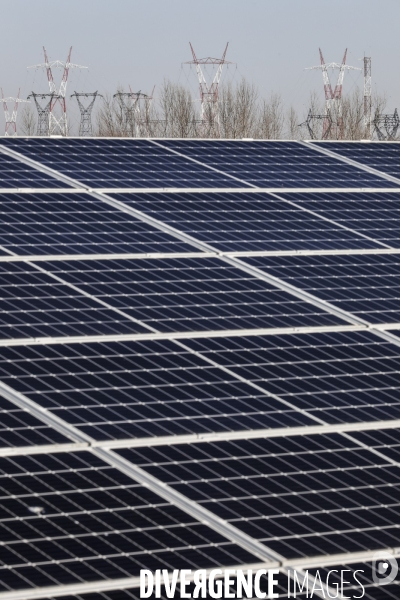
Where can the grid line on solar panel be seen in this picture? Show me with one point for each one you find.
(73, 518)
(124, 162)
(276, 164)
(76, 223)
(300, 496)
(375, 155)
(239, 222)
(365, 286)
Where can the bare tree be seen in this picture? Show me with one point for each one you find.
(177, 115)
(28, 120)
(292, 124)
(111, 117)
(270, 124)
(238, 110)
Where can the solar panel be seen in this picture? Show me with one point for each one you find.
(152, 355)
(121, 163)
(35, 304)
(336, 377)
(235, 222)
(71, 517)
(137, 389)
(367, 286)
(59, 223)
(384, 157)
(300, 496)
(275, 164)
(189, 294)
(375, 215)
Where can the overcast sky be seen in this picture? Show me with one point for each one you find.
(141, 42)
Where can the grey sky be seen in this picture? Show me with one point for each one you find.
(141, 42)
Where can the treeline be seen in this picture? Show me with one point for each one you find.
(242, 113)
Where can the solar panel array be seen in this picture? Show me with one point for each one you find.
(199, 361)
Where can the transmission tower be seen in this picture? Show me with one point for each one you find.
(43, 112)
(11, 119)
(367, 98)
(209, 93)
(136, 106)
(333, 98)
(85, 126)
(58, 124)
(386, 126)
(312, 121)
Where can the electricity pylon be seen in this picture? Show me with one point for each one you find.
(209, 93)
(136, 106)
(85, 126)
(333, 98)
(58, 124)
(11, 116)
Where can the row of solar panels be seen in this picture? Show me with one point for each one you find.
(130, 163)
(74, 516)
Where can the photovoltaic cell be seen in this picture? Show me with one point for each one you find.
(374, 215)
(121, 163)
(189, 294)
(339, 378)
(382, 156)
(301, 496)
(60, 223)
(366, 286)
(34, 304)
(70, 518)
(233, 222)
(137, 389)
(276, 164)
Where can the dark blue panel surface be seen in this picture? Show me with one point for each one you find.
(76, 223)
(95, 523)
(235, 222)
(137, 389)
(339, 378)
(301, 496)
(20, 428)
(365, 285)
(16, 174)
(34, 304)
(125, 163)
(373, 216)
(379, 155)
(276, 164)
(189, 294)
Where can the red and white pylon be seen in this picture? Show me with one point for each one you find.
(58, 124)
(209, 93)
(333, 98)
(11, 116)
